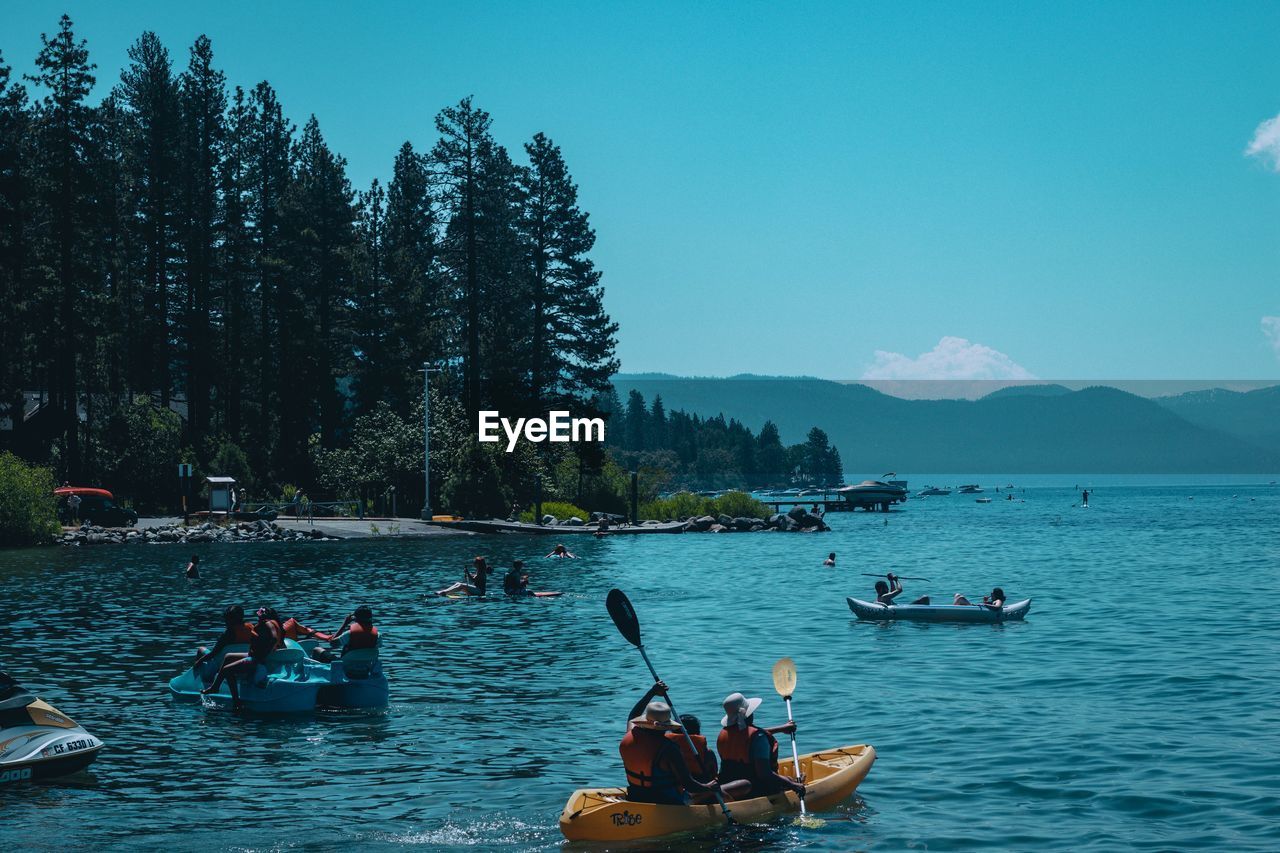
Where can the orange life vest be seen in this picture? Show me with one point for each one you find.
(648, 781)
(242, 633)
(734, 746)
(362, 637)
(699, 764)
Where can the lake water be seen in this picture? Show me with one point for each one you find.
(1137, 707)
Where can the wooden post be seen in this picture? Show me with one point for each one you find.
(635, 497)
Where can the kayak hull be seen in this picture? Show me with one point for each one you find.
(604, 814)
(871, 611)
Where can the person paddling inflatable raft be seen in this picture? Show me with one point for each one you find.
(475, 584)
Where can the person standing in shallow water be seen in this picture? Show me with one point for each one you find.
(193, 567)
(831, 559)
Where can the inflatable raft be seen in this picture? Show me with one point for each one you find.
(605, 814)
(874, 612)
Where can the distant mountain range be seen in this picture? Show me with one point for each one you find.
(1020, 429)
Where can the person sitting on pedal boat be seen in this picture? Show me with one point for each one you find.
(236, 633)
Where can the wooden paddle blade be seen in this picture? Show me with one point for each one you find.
(623, 615)
(784, 677)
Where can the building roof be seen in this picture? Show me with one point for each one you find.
(229, 480)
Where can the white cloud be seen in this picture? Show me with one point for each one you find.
(1271, 328)
(1266, 143)
(952, 358)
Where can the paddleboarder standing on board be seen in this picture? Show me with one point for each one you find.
(1084, 498)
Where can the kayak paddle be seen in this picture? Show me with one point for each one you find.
(624, 617)
(784, 681)
(900, 577)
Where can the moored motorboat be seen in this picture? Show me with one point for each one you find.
(605, 814)
(931, 491)
(873, 494)
(37, 741)
(980, 613)
(970, 489)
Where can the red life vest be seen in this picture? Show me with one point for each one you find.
(734, 746)
(362, 637)
(648, 780)
(701, 765)
(242, 633)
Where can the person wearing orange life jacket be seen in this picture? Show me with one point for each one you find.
(701, 760)
(750, 753)
(267, 637)
(237, 632)
(357, 631)
(656, 771)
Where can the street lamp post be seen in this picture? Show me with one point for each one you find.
(426, 439)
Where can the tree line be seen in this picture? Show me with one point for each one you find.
(713, 453)
(182, 245)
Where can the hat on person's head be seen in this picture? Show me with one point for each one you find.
(657, 715)
(737, 709)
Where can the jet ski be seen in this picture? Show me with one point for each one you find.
(37, 741)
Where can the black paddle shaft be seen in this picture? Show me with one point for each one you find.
(628, 624)
(899, 577)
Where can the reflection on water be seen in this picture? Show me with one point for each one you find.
(1135, 707)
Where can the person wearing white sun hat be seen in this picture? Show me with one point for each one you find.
(750, 753)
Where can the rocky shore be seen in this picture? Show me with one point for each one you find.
(798, 520)
(245, 531)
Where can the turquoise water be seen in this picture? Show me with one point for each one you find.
(1137, 707)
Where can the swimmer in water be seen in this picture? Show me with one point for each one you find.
(831, 559)
(562, 553)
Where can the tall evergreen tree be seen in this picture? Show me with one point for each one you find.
(148, 91)
(573, 339)
(369, 300)
(15, 334)
(417, 330)
(269, 171)
(637, 421)
(321, 213)
(464, 145)
(63, 68)
(203, 105)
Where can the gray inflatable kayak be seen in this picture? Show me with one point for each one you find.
(875, 612)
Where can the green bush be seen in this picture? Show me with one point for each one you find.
(28, 508)
(559, 509)
(739, 504)
(677, 507)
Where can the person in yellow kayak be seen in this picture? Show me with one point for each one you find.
(750, 753)
(656, 769)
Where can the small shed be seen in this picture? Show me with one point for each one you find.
(220, 489)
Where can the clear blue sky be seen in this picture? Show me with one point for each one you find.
(789, 190)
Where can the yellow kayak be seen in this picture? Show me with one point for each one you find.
(604, 814)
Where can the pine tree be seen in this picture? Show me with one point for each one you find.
(203, 104)
(148, 92)
(464, 144)
(15, 336)
(63, 68)
(417, 328)
(235, 372)
(637, 421)
(573, 340)
(372, 317)
(321, 213)
(269, 170)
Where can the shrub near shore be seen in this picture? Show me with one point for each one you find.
(28, 508)
(684, 505)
